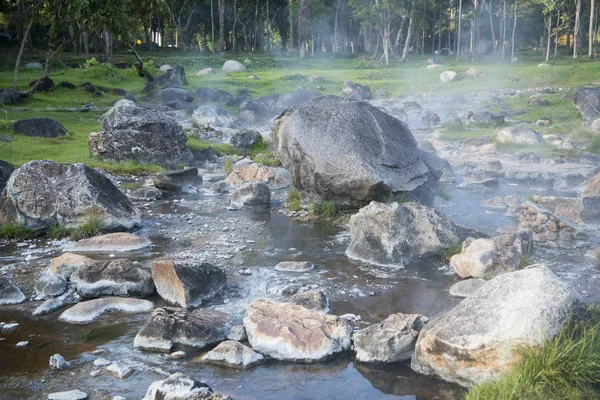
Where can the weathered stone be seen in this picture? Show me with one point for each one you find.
(356, 91)
(48, 286)
(9, 292)
(88, 311)
(41, 194)
(6, 170)
(571, 208)
(58, 362)
(550, 230)
(348, 151)
(34, 65)
(233, 354)
(45, 84)
(49, 306)
(39, 127)
(587, 102)
(174, 97)
(173, 76)
(181, 387)
(135, 133)
(536, 101)
(233, 66)
(487, 258)
(118, 277)
(211, 115)
(394, 234)
(118, 242)
(174, 181)
(467, 287)
(246, 139)
(146, 193)
(252, 194)
(275, 178)
(120, 370)
(311, 299)
(480, 338)
(391, 340)
(296, 98)
(295, 266)
(448, 76)
(169, 328)
(208, 95)
(205, 71)
(68, 263)
(187, 285)
(68, 395)
(519, 135)
(293, 333)
(237, 333)
(10, 96)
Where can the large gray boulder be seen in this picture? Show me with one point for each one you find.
(480, 338)
(39, 127)
(587, 102)
(296, 98)
(6, 170)
(41, 194)
(349, 151)
(487, 258)
(391, 340)
(174, 181)
(187, 285)
(246, 139)
(171, 327)
(174, 97)
(393, 234)
(293, 333)
(251, 194)
(119, 277)
(131, 133)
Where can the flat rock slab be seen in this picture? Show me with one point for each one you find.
(49, 306)
(294, 266)
(111, 242)
(119, 277)
(391, 340)
(467, 287)
(293, 333)
(66, 264)
(181, 387)
(90, 310)
(9, 292)
(233, 354)
(170, 327)
(70, 395)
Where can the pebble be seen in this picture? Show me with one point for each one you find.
(177, 355)
(95, 373)
(101, 362)
(9, 327)
(58, 362)
(24, 343)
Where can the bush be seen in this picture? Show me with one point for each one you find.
(17, 232)
(326, 209)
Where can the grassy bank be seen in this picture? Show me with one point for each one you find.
(276, 75)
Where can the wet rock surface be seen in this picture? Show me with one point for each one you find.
(112, 278)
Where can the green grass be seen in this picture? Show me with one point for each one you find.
(228, 167)
(293, 200)
(196, 146)
(326, 209)
(455, 248)
(564, 367)
(16, 232)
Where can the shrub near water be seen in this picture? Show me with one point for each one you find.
(565, 367)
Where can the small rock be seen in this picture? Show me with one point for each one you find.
(294, 266)
(177, 355)
(121, 371)
(9, 292)
(237, 333)
(233, 354)
(102, 362)
(49, 306)
(9, 327)
(24, 343)
(181, 387)
(311, 299)
(58, 362)
(70, 395)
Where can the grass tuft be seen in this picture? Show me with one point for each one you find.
(326, 209)
(293, 200)
(564, 367)
(17, 232)
(92, 227)
(455, 248)
(228, 167)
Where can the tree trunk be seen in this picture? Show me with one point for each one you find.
(458, 28)
(474, 36)
(302, 16)
(492, 28)
(212, 24)
(556, 34)
(591, 33)
(335, 26)
(399, 35)
(514, 30)
(576, 28)
(22, 51)
(503, 29)
(409, 34)
(549, 27)
(221, 25)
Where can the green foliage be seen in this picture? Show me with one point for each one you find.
(564, 367)
(228, 167)
(196, 146)
(293, 200)
(454, 249)
(91, 63)
(90, 228)
(326, 209)
(267, 159)
(17, 232)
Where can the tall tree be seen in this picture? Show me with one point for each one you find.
(222, 25)
(592, 31)
(302, 15)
